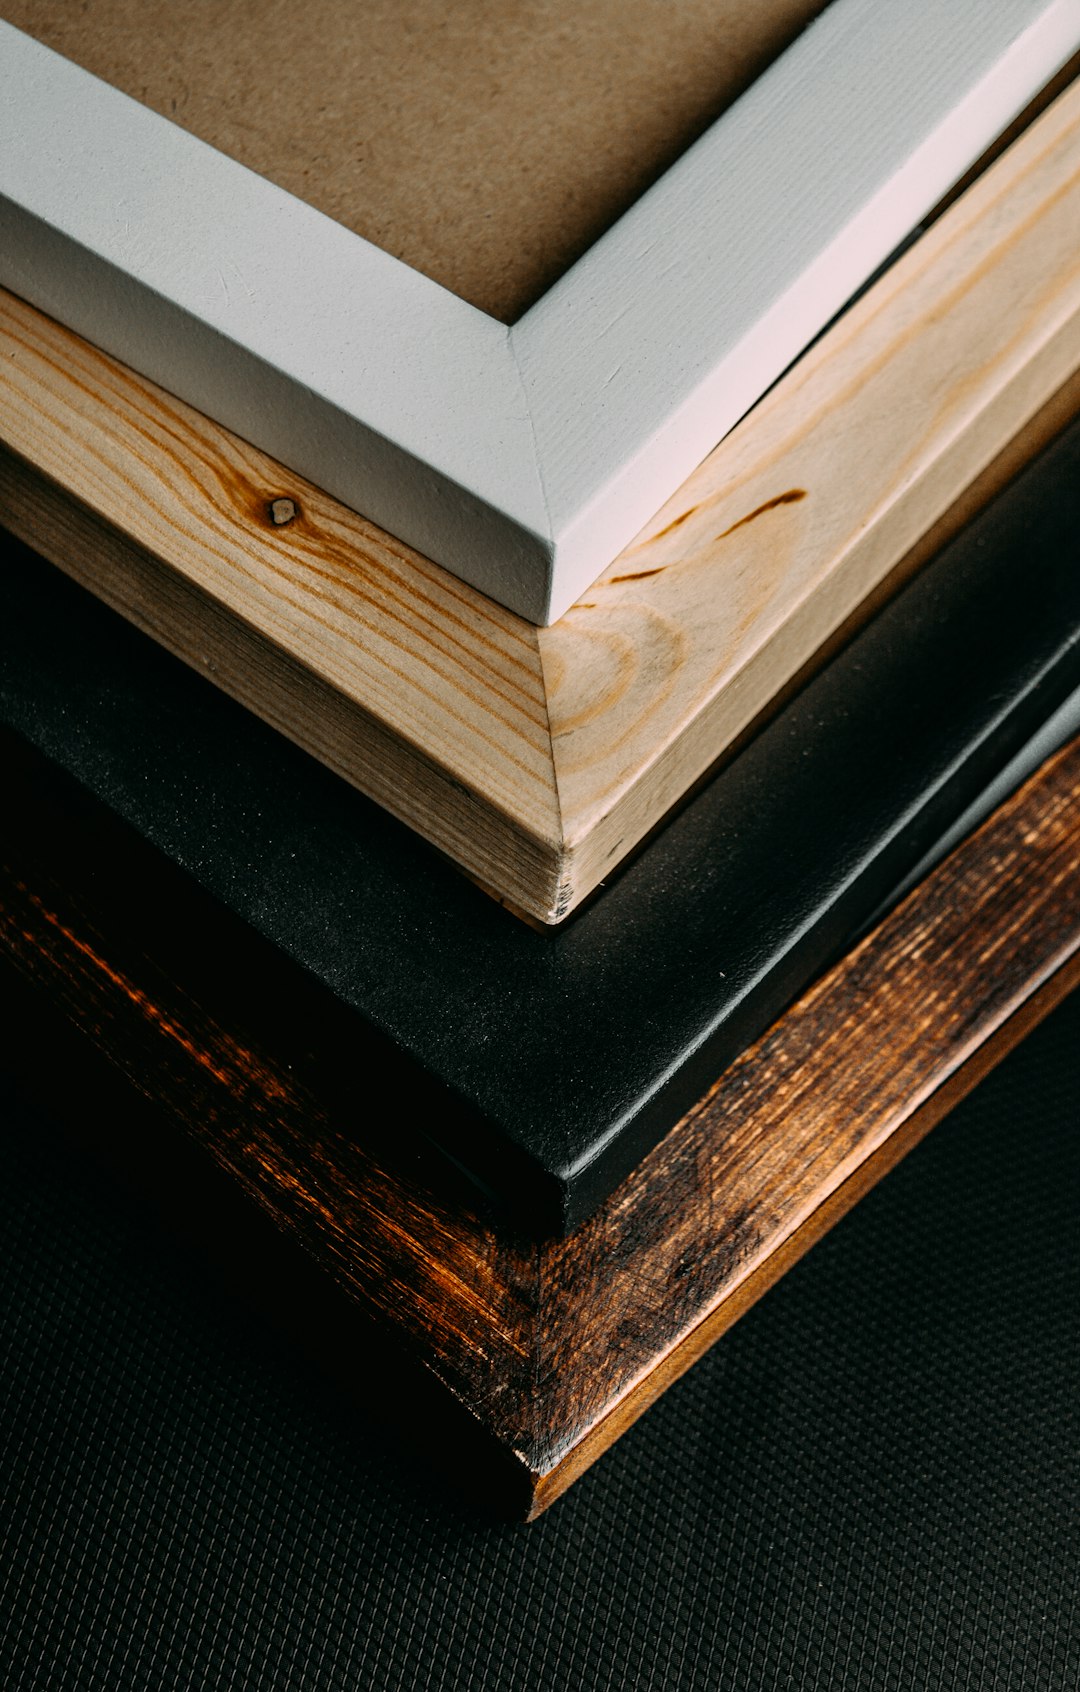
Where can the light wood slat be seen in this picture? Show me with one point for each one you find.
(537, 758)
(804, 508)
(412, 685)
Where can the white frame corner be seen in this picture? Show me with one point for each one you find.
(523, 458)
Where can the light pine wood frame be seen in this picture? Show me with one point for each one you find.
(538, 757)
(521, 458)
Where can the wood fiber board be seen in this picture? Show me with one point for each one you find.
(558, 1059)
(486, 145)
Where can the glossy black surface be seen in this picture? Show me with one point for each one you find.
(574, 1052)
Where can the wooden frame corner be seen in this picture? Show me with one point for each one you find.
(523, 459)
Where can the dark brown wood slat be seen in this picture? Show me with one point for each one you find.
(808, 1118)
(222, 1034)
(552, 1350)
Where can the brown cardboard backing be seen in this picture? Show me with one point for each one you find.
(484, 142)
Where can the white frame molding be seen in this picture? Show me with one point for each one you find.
(538, 757)
(525, 458)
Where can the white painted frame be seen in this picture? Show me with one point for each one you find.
(523, 458)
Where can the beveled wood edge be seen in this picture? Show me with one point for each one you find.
(539, 758)
(551, 1485)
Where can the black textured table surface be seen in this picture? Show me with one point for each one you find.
(872, 1482)
(574, 1052)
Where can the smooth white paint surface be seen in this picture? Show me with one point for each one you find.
(523, 459)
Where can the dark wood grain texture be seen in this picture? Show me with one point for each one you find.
(551, 1350)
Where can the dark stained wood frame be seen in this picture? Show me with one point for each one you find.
(551, 1351)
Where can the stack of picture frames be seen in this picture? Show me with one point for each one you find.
(602, 782)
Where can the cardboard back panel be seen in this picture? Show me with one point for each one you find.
(486, 145)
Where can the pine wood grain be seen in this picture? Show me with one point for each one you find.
(407, 682)
(799, 512)
(539, 758)
(551, 1349)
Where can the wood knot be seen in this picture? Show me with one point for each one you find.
(282, 510)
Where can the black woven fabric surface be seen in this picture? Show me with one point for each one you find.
(870, 1483)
